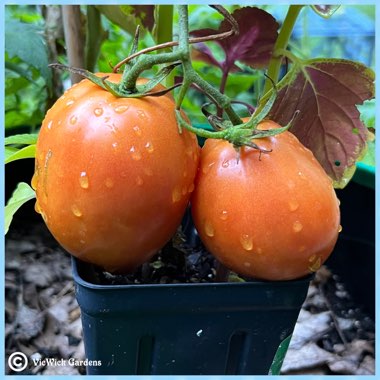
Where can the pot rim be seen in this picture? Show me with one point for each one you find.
(206, 285)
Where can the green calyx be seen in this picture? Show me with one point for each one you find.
(117, 89)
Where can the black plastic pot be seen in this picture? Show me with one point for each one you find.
(185, 329)
(353, 258)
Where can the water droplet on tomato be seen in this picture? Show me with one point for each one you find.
(340, 229)
(121, 108)
(293, 205)
(246, 242)
(136, 155)
(112, 127)
(98, 111)
(148, 172)
(73, 119)
(83, 180)
(184, 190)
(76, 211)
(34, 181)
(207, 168)
(189, 150)
(209, 229)
(44, 216)
(137, 130)
(297, 226)
(302, 248)
(259, 250)
(149, 147)
(37, 207)
(82, 241)
(50, 124)
(114, 145)
(141, 114)
(224, 215)
(191, 188)
(315, 263)
(176, 194)
(139, 181)
(109, 183)
(247, 264)
(301, 175)
(70, 102)
(225, 163)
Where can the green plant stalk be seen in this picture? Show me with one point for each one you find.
(95, 35)
(164, 32)
(145, 62)
(281, 43)
(242, 133)
(191, 76)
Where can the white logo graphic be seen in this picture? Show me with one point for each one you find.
(17, 361)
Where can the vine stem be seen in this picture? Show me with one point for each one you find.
(281, 43)
(165, 45)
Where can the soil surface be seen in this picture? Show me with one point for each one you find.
(333, 335)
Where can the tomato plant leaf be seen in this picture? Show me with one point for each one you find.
(21, 139)
(31, 50)
(129, 16)
(254, 43)
(326, 92)
(143, 13)
(325, 11)
(13, 154)
(21, 195)
(202, 52)
(279, 357)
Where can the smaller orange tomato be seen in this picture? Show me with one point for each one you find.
(272, 216)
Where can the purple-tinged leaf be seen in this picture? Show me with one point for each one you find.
(325, 11)
(145, 13)
(254, 43)
(129, 16)
(326, 92)
(203, 53)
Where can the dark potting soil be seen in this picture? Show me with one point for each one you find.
(177, 262)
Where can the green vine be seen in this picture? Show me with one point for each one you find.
(281, 43)
(233, 129)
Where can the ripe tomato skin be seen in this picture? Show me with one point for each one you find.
(272, 216)
(113, 175)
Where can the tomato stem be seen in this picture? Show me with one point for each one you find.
(281, 43)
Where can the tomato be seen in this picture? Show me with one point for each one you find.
(272, 216)
(113, 175)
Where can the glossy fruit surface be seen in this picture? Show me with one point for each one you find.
(272, 216)
(113, 175)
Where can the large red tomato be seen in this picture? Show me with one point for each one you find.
(271, 216)
(113, 175)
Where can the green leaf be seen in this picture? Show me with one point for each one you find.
(21, 195)
(128, 16)
(326, 92)
(326, 11)
(22, 139)
(13, 155)
(275, 368)
(31, 48)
